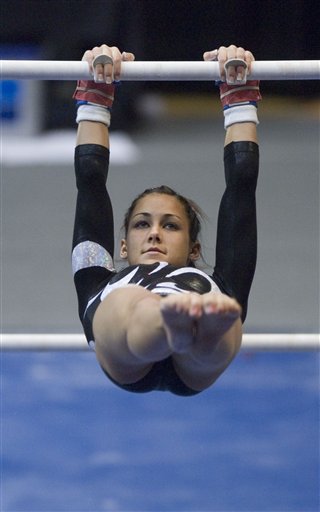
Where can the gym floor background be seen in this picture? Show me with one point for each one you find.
(70, 440)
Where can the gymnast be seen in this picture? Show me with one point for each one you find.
(161, 323)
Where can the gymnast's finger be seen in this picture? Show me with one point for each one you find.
(116, 58)
(222, 58)
(210, 55)
(103, 64)
(230, 72)
(127, 56)
(249, 58)
(88, 57)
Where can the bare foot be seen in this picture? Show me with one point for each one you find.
(179, 312)
(219, 314)
(191, 319)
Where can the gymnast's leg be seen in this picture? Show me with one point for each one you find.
(129, 334)
(135, 328)
(217, 335)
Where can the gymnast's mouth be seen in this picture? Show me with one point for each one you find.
(154, 249)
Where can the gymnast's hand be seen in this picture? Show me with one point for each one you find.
(105, 62)
(232, 74)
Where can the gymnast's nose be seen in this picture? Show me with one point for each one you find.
(154, 233)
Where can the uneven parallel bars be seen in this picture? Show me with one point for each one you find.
(77, 342)
(158, 71)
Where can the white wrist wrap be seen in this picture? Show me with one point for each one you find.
(240, 114)
(94, 113)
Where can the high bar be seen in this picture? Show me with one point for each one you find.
(157, 71)
(77, 342)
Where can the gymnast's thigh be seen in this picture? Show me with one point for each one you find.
(110, 327)
(113, 314)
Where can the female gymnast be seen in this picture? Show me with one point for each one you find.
(161, 323)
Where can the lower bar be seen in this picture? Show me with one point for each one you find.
(77, 342)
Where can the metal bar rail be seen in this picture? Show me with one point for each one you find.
(77, 342)
(157, 71)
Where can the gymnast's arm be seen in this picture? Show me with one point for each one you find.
(93, 236)
(236, 246)
(94, 217)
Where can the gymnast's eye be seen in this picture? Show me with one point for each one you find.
(140, 224)
(171, 226)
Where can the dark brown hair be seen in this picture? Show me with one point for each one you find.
(192, 210)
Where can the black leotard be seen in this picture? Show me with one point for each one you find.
(93, 246)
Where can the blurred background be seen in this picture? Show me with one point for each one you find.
(72, 441)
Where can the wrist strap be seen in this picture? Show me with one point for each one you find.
(240, 102)
(230, 94)
(243, 113)
(92, 92)
(93, 113)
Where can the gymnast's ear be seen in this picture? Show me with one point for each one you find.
(123, 249)
(195, 252)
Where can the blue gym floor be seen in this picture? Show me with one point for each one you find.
(73, 442)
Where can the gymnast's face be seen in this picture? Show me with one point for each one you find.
(159, 231)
